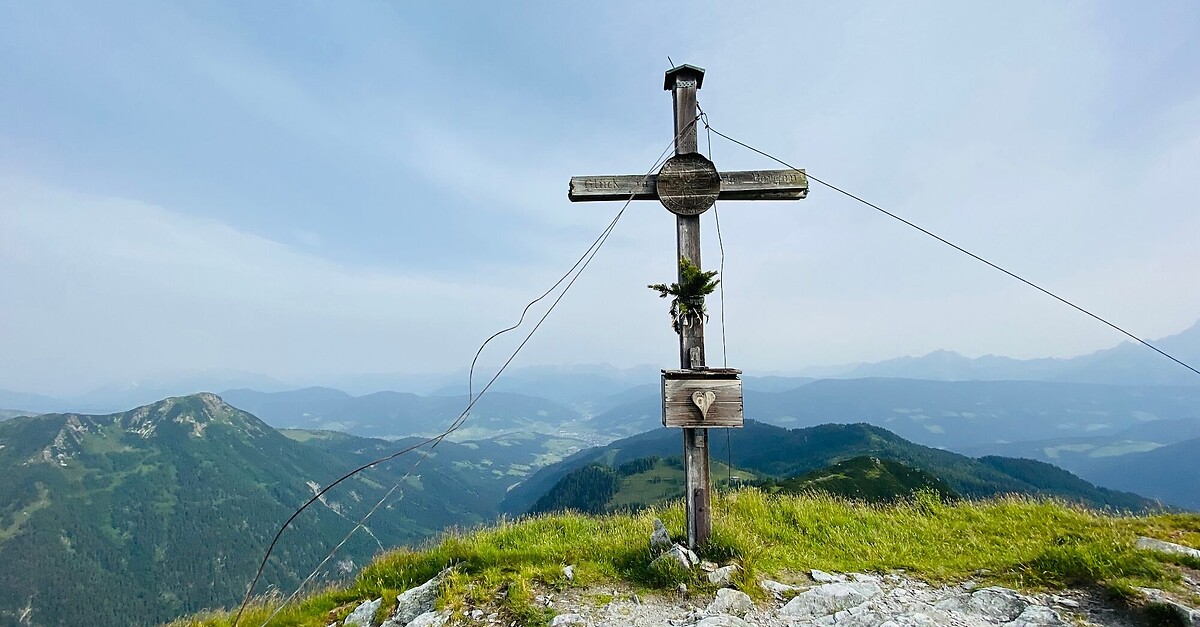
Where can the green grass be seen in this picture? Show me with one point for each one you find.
(1025, 543)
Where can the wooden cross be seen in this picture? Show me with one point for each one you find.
(687, 185)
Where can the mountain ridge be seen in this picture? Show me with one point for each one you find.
(139, 516)
(780, 452)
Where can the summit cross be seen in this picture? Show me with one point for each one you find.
(688, 184)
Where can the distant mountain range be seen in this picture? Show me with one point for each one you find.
(778, 452)
(396, 414)
(952, 414)
(1128, 363)
(137, 517)
(586, 388)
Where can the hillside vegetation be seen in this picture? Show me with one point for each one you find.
(1025, 543)
(772, 451)
(138, 517)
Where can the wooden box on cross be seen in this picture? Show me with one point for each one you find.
(708, 398)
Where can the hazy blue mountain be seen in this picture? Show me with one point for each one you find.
(950, 414)
(399, 414)
(1079, 454)
(944, 365)
(580, 387)
(774, 384)
(780, 452)
(5, 414)
(24, 402)
(1127, 363)
(145, 390)
(1169, 473)
(136, 517)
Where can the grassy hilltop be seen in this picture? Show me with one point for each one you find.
(1021, 542)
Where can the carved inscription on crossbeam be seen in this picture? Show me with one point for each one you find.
(750, 185)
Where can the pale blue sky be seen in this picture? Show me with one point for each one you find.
(309, 189)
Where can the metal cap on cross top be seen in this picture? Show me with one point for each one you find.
(683, 72)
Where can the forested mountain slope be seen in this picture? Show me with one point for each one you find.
(136, 517)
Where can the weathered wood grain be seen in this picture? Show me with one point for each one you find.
(680, 410)
(738, 185)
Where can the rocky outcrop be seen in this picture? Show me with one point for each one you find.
(1169, 548)
(846, 600)
(828, 600)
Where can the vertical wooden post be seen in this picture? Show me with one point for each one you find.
(683, 83)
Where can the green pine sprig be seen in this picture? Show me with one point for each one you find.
(687, 296)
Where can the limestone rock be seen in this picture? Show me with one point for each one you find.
(776, 588)
(569, 572)
(660, 539)
(416, 601)
(1159, 546)
(722, 620)
(830, 598)
(723, 576)
(430, 619)
(1187, 615)
(730, 601)
(1000, 605)
(1037, 616)
(821, 576)
(678, 557)
(563, 620)
(364, 614)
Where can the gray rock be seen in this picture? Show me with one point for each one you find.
(678, 557)
(829, 599)
(1159, 546)
(660, 539)
(562, 620)
(730, 601)
(430, 619)
(1187, 615)
(778, 589)
(723, 620)
(1037, 616)
(1000, 605)
(723, 576)
(911, 619)
(569, 572)
(821, 576)
(416, 601)
(364, 614)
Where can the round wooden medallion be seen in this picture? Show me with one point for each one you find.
(688, 184)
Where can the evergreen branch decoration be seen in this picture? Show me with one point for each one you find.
(687, 296)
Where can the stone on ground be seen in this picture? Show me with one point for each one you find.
(730, 601)
(1159, 546)
(364, 614)
(821, 576)
(416, 601)
(723, 576)
(660, 539)
(829, 599)
(563, 620)
(997, 604)
(722, 620)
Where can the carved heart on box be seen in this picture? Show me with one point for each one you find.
(704, 400)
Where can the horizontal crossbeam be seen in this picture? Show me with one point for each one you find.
(748, 185)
